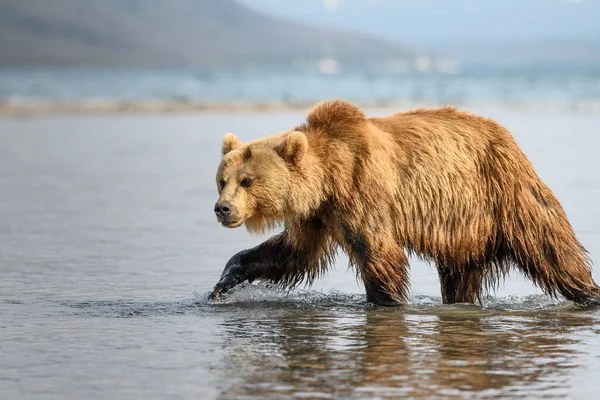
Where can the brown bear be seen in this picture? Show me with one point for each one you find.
(442, 184)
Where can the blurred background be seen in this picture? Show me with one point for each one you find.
(164, 54)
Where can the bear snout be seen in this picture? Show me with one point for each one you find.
(223, 210)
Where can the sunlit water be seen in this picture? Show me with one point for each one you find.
(108, 248)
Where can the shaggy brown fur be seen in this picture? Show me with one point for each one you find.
(448, 186)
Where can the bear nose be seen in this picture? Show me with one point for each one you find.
(223, 210)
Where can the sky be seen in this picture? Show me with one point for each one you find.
(433, 23)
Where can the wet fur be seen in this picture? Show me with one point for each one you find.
(441, 184)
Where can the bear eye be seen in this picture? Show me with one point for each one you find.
(246, 182)
(222, 183)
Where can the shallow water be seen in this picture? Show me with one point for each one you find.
(108, 248)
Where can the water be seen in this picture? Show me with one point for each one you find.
(367, 87)
(108, 248)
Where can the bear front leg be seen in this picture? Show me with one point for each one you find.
(385, 276)
(251, 264)
(383, 268)
(299, 253)
(237, 270)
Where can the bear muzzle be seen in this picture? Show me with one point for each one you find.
(223, 211)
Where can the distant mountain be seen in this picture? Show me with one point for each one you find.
(436, 22)
(479, 34)
(171, 33)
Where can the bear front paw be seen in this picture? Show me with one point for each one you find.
(233, 275)
(225, 284)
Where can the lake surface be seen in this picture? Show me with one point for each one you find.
(207, 86)
(109, 246)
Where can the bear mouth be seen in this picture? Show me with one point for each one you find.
(231, 224)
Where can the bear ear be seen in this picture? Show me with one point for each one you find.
(293, 147)
(230, 142)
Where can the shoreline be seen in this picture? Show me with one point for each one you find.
(41, 107)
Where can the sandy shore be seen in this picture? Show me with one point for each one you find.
(32, 107)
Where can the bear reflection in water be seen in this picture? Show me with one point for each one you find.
(387, 353)
(441, 184)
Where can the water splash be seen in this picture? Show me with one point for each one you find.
(259, 293)
(269, 295)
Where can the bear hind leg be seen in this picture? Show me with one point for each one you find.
(461, 284)
(573, 280)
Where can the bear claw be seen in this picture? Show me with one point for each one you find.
(213, 296)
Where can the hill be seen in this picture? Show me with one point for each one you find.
(171, 33)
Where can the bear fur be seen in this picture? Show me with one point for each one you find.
(445, 185)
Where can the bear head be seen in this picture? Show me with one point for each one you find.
(255, 179)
